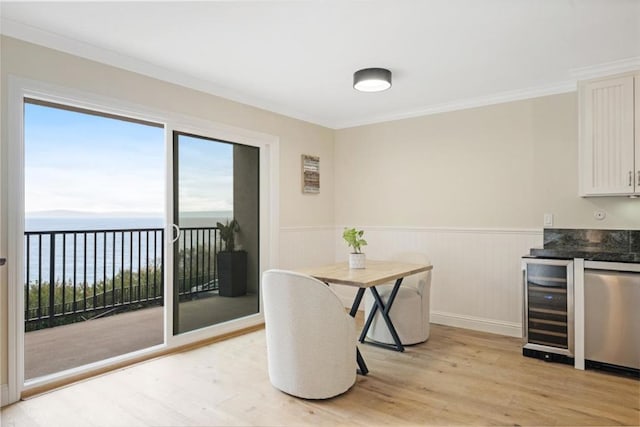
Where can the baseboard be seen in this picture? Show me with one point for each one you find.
(4, 395)
(477, 324)
(462, 321)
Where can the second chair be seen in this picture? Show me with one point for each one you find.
(410, 310)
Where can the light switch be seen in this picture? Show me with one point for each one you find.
(548, 220)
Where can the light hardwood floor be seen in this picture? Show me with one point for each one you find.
(459, 377)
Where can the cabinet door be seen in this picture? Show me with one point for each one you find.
(607, 137)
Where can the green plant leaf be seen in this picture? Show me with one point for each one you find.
(354, 239)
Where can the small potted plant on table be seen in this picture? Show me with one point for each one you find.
(232, 264)
(354, 239)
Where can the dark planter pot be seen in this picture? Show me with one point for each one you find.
(232, 273)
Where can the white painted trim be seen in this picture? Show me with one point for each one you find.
(4, 395)
(482, 101)
(168, 308)
(449, 229)
(269, 211)
(273, 175)
(606, 69)
(15, 211)
(578, 313)
(526, 231)
(477, 324)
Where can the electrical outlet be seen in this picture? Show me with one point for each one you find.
(548, 220)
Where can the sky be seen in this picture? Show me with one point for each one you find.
(81, 162)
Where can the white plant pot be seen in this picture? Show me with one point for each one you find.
(357, 260)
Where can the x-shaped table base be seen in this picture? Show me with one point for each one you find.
(375, 274)
(384, 312)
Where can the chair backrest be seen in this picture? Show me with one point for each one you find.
(311, 341)
(298, 301)
(420, 281)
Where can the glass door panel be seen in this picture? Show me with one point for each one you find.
(216, 254)
(94, 238)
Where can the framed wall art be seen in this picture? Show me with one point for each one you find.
(310, 174)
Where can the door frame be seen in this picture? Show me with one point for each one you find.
(18, 89)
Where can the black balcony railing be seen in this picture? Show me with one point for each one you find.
(75, 275)
(197, 270)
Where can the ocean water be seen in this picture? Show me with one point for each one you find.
(137, 243)
(90, 223)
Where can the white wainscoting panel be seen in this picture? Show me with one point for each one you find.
(477, 277)
(4, 395)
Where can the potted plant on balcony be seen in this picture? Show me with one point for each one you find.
(232, 264)
(354, 239)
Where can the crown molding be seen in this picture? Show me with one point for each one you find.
(483, 101)
(576, 74)
(606, 69)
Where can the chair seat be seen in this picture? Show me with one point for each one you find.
(410, 311)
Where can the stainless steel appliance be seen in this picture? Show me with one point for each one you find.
(548, 309)
(612, 316)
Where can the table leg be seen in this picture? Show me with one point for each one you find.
(356, 302)
(362, 366)
(384, 312)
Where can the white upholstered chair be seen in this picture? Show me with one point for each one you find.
(311, 340)
(410, 310)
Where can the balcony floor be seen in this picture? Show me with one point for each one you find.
(57, 349)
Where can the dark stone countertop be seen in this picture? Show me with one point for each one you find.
(592, 245)
(587, 254)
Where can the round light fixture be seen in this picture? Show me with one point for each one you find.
(372, 79)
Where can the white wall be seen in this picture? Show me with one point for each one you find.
(469, 188)
(497, 166)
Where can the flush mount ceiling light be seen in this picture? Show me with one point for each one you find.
(372, 79)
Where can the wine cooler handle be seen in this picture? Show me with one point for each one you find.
(524, 304)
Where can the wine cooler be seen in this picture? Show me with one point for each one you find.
(548, 309)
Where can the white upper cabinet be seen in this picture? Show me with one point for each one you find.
(609, 128)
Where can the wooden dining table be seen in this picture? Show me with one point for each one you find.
(375, 273)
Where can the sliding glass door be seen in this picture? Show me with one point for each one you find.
(216, 239)
(96, 277)
(93, 239)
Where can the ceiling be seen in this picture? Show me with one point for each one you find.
(298, 58)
